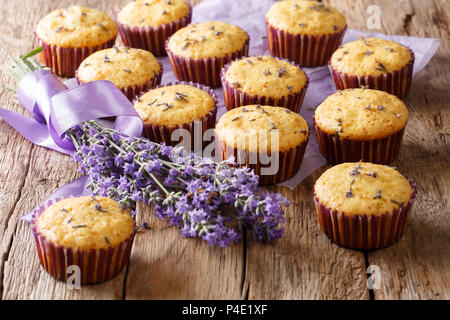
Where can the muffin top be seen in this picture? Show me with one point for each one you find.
(258, 128)
(265, 76)
(76, 27)
(152, 13)
(305, 17)
(361, 114)
(362, 188)
(174, 105)
(86, 223)
(208, 39)
(122, 66)
(372, 56)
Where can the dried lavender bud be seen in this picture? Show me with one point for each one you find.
(363, 87)
(116, 49)
(345, 52)
(107, 59)
(272, 126)
(169, 2)
(180, 96)
(237, 118)
(264, 111)
(368, 107)
(98, 207)
(389, 49)
(64, 210)
(236, 84)
(127, 49)
(84, 14)
(380, 108)
(251, 120)
(267, 72)
(59, 29)
(164, 12)
(79, 226)
(290, 88)
(398, 115)
(339, 92)
(302, 24)
(378, 195)
(349, 194)
(107, 240)
(149, 104)
(335, 28)
(366, 42)
(303, 131)
(142, 20)
(249, 62)
(281, 72)
(203, 38)
(287, 110)
(127, 70)
(368, 53)
(372, 174)
(397, 202)
(380, 67)
(103, 27)
(218, 33)
(259, 58)
(69, 221)
(339, 121)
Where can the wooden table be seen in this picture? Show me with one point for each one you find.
(304, 264)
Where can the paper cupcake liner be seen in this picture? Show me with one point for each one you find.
(161, 134)
(206, 70)
(65, 61)
(235, 98)
(305, 50)
(134, 91)
(152, 39)
(96, 265)
(289, 162)
(338, 150)
(396, 83)
(364, 231)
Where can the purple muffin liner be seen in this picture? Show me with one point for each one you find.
(235, 98)
(96, 265)
(396, 82)
(338, 150)
(152, 39)
(365, 231)
(204, 70)
(305, 50)
(134, 91)
(161, 134)
(65, 61)
(289, 162)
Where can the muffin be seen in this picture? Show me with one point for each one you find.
(363, 205)
(182, 105)
(374, 63)
(305, 32)
(198, 52)
(148, 24)
(263, 80)
(132, 70)
(70, 35)
(269, 140)
(93, 233)
(360, 124)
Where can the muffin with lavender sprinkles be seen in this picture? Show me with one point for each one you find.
(147, 24)
(269, 140)
(198, 52)
(305, 32)
(375, 63)
(132, 70)
(70, 35)
(94, 233)
(363, 205)
(187, 106)
(263, 80)
(360, 124)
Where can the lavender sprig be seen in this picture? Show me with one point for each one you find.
(204, 198)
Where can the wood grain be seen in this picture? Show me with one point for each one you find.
(304, 264)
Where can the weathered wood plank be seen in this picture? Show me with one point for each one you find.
(165, 266)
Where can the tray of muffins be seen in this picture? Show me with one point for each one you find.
(361, 202)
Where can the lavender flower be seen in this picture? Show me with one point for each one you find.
(207, 199)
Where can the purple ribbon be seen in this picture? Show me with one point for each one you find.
(56, 107)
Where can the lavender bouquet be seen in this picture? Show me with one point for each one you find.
(204, 198)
